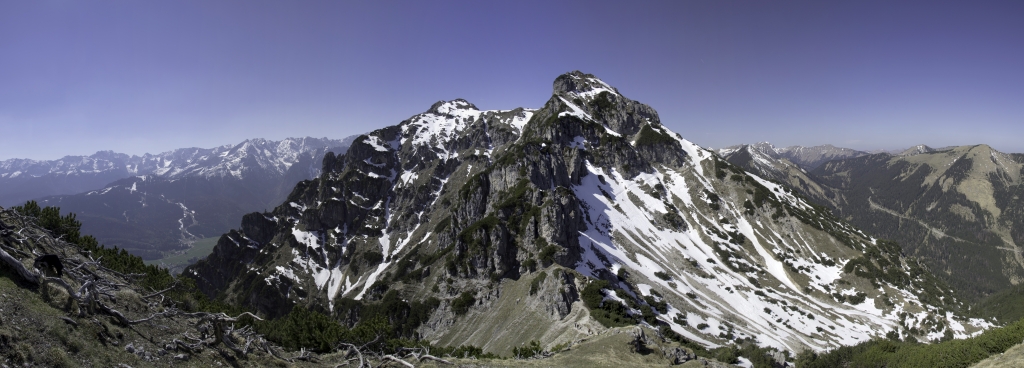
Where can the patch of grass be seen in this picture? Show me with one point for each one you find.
(55, 357)
(1005, 305)
(443, 224)
(535, 284)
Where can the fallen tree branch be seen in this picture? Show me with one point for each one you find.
(434, 358)
(175, 284)
(15, 250)
(124, 321)
(219, 317)
(14, 263)
(191, 349)
(396, 360)
(266, 347)
(69, 321)
(83, 264)
(352, 348)
(167, 313)
(304, 355)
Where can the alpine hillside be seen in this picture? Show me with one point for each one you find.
(495, 228)
(956, 208)
(177, 197)
(769, 162)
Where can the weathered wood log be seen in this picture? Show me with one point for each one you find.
(24, 272)
(396, 360)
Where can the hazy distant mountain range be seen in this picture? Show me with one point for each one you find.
(806, 158)
(24, 179)
(155, 203)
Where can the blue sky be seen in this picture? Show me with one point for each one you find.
(150, 76)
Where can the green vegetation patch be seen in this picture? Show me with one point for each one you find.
(890, 353)
(461, 304)
(603, 101)
(610, 314)
(650, 137)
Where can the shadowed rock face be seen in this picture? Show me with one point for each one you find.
(469, 208)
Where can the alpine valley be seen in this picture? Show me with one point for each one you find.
(153, 205)
(558, 224)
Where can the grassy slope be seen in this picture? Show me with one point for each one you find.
(1012, 358)
(32, 332)
(607, 349)
(177, 262)
(516, 317)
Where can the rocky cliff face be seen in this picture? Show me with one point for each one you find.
(511, 222)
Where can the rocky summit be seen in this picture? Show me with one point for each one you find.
(496, 228)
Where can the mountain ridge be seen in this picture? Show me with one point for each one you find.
(609, 217)
(25, 179)
(191, 194)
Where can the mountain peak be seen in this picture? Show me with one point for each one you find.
(764, 146)
(916, 150)
(581, 84)
(447, 107)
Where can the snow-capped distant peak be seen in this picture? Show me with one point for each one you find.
(226, 160)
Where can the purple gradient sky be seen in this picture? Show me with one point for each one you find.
(150, 76)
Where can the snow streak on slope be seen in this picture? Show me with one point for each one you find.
(430, 135)
(757, 296)
(434, 129)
